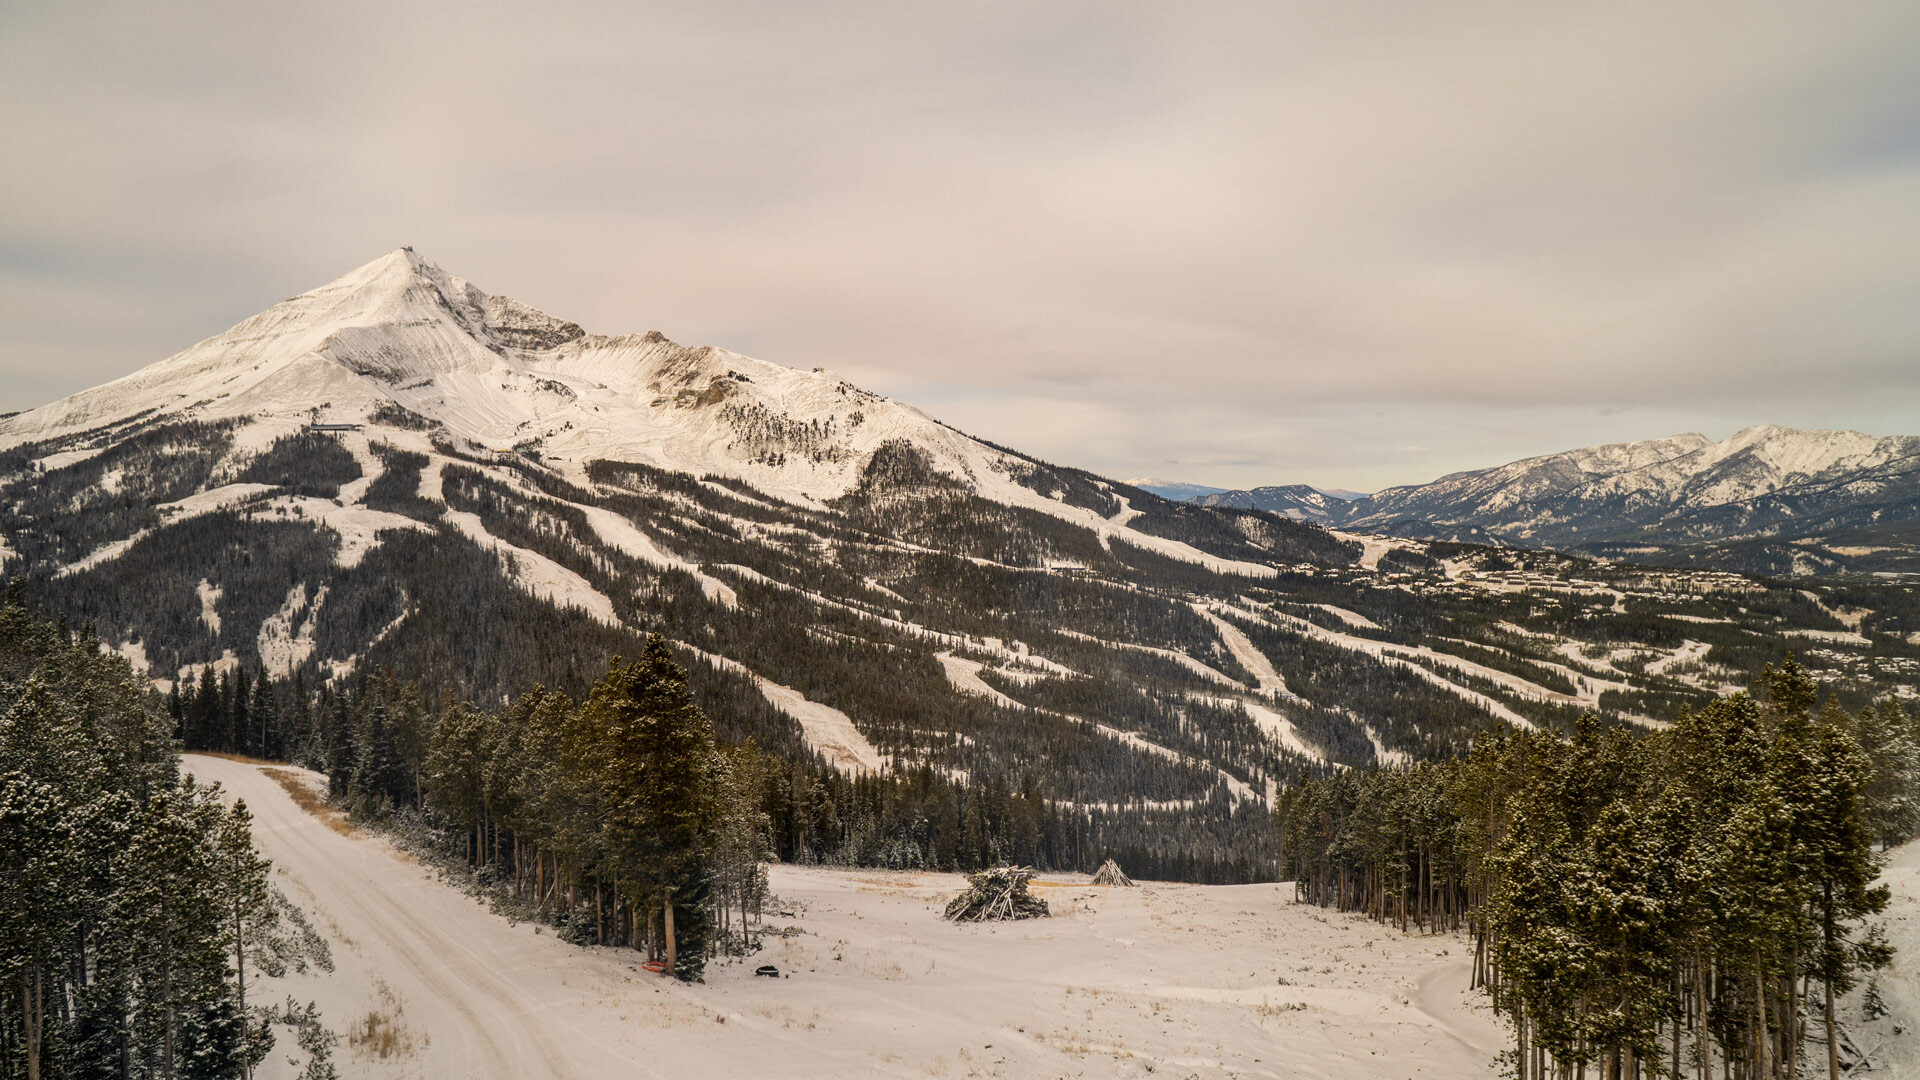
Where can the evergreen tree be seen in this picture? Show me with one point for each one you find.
(38, 906)
(1892, 794)
(656, 767)
(263, 722)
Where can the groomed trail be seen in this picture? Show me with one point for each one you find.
(1184, 980)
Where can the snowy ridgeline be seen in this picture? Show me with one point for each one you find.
(1803, 502)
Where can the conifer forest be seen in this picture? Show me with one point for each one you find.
(134, 906)
(1685, 903)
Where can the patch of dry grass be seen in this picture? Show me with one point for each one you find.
(306, 798)
(383, 1032)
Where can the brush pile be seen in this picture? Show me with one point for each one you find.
(997, 894)
(1111, 874)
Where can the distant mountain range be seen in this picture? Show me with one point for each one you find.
(1173, 489)
(1297, 501)
(1183, 492)
(1765, 500)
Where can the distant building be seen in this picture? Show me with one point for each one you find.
(1061, 566)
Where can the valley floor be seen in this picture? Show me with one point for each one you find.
(1173, 980)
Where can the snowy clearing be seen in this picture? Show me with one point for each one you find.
(1838, 637)
(286, 639)
(1180, 980)
(1371, 547)
(1389, 653)
(209, 605)
(1351, 618)
(964, 674)
(1892, 1042)
(828, 730)
(1280, 729)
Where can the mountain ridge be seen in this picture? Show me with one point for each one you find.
(1684, 496)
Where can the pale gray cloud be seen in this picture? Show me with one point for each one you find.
(1232, 244)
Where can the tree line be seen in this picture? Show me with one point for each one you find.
(134, 905)
(371, 735)
(1659, 904)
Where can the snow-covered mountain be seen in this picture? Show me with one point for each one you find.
(398, 470)
(400, 336)
(1176, 490)
(1759, 490)
(1297, 501)
(1771, 499)
(401, 469)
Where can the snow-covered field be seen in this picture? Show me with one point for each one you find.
(1165, 980)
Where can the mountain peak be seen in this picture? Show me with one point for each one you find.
(398, 267)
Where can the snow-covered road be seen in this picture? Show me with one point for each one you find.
(1179, 980)
(479, 998)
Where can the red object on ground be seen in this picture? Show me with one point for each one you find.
(658, 967)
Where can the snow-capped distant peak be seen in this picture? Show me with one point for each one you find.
(1686, 485)
(1176, 490)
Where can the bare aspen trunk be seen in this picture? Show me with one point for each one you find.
(1762, 1039)
(1520, 1034)
(166, 993)
(1790, 1033)
(1833, 1046)
(1679, 995)
(673, 953)
(1700, 1033)
(240, 970)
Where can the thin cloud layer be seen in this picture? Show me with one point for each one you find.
(1351, 245)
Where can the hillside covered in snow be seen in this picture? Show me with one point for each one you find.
(399, 471)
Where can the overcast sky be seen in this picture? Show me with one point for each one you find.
(1348, 245)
